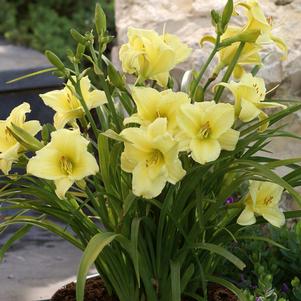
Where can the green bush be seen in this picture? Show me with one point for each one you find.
(45, 24)
(272, 272)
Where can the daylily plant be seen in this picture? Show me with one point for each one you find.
(148, 181)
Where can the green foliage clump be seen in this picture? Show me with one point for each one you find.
(46, 24)
(273, 272)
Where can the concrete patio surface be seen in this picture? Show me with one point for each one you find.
(35, 267)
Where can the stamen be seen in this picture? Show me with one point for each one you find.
(205, 130)
(268, 200)
(154, 158)
(66, 165)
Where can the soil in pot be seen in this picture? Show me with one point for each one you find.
(95, 291)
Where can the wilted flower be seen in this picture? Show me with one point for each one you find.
(9, 146)
(151, 56)
(152, 104)
(263, 199)
(65, 159)
(207, 127)
(151, 155)
(67, 105)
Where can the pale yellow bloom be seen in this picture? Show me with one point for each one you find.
(263, 199)
(249, 55)
(9, 146)
(151, 56)
(258, 21)
(65, 159)
(67, 106)
(152, 104)
(207, 127)
(151, 155)
(249, 95)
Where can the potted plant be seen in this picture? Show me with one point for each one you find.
(152, 184)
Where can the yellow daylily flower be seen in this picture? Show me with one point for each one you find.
(151, 155)
(249, 55)
(9, 146)
(207, 127)
(152, 104)
(249, 95)
(263, 199)
(151, 56)
(258, 21)
(67, 106)
(65, 159)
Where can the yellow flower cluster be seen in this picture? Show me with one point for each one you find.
(250, 55)
(166, 126)
(170, 124)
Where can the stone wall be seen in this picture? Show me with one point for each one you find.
(190, 20)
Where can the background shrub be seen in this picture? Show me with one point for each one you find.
(45, 24)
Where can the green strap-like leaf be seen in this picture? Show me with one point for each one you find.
(262, 238)
(15, 237)
(222, 252)
(234, 289)
(175, 270)
(92, 251)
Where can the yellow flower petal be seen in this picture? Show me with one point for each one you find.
(246, 218)
(45, 164)
(189, 119)
(274, 216)
(221, 118)
(62, 186)
(203, 151)
(262, 116)
(181, 50)
(229, 139)
(161, 78)
(249, 111)
(146, 186)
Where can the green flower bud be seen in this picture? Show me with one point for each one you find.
(80, 50)
(227, 13)
(100, 20)
(54, 60)
(78, 37)
(24, 138)
(215, 17)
